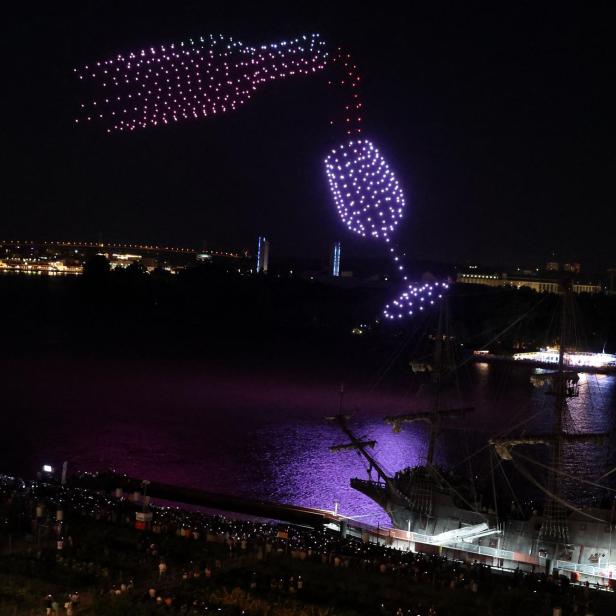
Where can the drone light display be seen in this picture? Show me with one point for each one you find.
(414, 299)
(366, 193)
(192, 79)
(210, 75)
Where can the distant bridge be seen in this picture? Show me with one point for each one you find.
(119, 246)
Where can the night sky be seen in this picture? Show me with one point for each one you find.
(499, 122)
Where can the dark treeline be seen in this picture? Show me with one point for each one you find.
(506, 318)
(209, 309)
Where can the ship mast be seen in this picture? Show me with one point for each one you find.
(433, 417)
(359, 446)
(437, 377)
(554, 524)
(554, 527)
(355, 443)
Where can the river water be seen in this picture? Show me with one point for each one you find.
(262, 433)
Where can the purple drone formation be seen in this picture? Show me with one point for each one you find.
(202, 77)
(415, 299)
(366, 193)
(370, 203)
(192, 79)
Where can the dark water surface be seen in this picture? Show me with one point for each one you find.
(260, 432)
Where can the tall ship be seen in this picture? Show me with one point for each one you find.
(435, 509)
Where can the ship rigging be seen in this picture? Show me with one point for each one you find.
(439, 507)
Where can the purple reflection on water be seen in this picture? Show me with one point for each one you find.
(257, 434)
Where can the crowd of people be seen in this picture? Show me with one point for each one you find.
(69, 605)
(173, 562)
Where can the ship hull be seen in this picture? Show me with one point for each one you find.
(587, 554)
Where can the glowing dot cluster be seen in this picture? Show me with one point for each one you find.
(371, 203)
(191, 79)
(366, 192)
(347, 81)
(414, 299)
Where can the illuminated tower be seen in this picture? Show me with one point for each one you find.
(262, 255)
(336, 259)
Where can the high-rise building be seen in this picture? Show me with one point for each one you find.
(262, 255)
(611, 281)
(335, 261)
